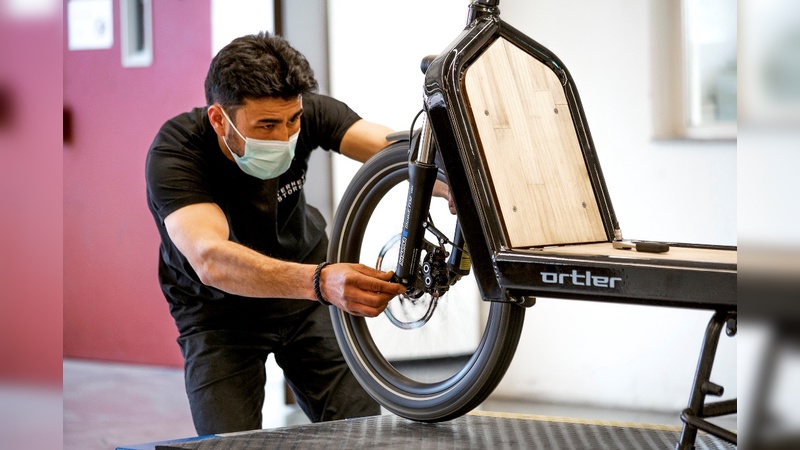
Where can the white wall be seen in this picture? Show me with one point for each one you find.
(578, 352)
(375, 52)
(233, 18)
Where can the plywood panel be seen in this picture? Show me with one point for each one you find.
(675, 253)
(531, 150)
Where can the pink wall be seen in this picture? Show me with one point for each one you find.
(113, 307)
(30, 203)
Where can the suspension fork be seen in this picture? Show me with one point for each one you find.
(422, 173)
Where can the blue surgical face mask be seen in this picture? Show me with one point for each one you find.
(263, 159)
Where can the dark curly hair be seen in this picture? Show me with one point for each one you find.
(257, 66)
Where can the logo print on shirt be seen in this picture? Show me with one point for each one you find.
(290, 188)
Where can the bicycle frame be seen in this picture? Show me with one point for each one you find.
(505, 272)
(511, 269)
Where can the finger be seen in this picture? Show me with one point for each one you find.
(441, 189)
(365, 312)
(374, 273)
(370, 304)
(370, 300)
(375, 285)
(367, 304)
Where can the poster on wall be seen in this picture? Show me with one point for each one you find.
(90, 24)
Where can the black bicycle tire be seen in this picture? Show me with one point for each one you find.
(426, 402)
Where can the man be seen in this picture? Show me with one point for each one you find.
(242, 254)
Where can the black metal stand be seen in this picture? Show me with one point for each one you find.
(694, 415)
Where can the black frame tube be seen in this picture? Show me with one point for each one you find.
(694, 415)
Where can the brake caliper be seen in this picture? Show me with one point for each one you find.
(435, 274)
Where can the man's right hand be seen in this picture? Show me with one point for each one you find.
(358, 289)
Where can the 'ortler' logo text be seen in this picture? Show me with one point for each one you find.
(580, 279)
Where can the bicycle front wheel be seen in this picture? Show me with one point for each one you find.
(424, 359)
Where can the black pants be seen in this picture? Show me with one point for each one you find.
(225, 373)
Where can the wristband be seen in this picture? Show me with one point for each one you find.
(317, 290)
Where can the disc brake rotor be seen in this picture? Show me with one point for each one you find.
(404, 311)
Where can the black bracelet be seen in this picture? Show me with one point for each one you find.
(317, 290)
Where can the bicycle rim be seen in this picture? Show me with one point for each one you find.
(451, 364)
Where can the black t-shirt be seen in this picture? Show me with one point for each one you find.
(185, 165)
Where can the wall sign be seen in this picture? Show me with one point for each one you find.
(90, 24)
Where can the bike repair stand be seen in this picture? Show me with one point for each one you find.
(694, 416)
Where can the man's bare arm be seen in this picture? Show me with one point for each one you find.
(363, 139)
(200, 231)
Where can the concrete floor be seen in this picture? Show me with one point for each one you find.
(30, 416)
(106, 405)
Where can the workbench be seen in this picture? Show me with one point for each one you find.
(476, 430)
